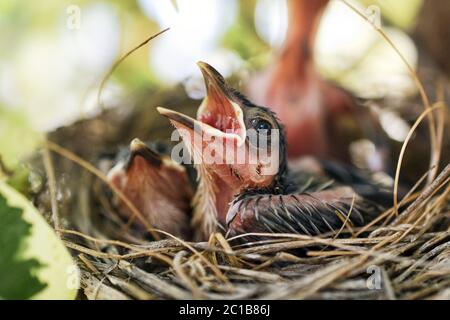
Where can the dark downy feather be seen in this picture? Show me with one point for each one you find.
(304, 213)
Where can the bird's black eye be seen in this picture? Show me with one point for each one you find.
(261, 125)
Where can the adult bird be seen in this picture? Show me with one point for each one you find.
(245, 184)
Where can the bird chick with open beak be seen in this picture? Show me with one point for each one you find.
(157, 186)
(239, 151)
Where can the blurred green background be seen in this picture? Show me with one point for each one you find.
(53, 54)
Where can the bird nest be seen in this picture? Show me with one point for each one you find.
(406, 257)
(404, 254)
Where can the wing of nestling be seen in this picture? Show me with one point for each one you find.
(300, 213)
(157, 186)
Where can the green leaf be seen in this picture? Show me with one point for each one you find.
(34, 263)
(18, 274)
(18, 138)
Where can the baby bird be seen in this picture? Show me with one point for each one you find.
(245, 184)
